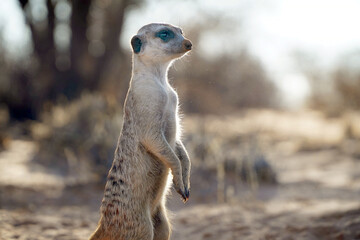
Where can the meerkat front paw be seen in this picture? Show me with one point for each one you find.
(186, 179)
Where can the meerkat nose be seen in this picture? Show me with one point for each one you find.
(187, 44)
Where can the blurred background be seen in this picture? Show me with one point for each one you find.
(270, 96)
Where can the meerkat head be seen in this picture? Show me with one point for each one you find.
(159, 43)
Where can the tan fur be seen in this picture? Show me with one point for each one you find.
(149, 146)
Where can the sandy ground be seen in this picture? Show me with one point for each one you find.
(318, 197)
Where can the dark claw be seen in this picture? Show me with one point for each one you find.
(187, 193)
(183, 195)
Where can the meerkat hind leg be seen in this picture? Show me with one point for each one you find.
(161, 225)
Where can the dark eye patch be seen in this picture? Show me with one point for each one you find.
(165, 35)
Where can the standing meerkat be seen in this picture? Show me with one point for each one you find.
(149, 146)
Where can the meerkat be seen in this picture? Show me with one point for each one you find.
(149, 146)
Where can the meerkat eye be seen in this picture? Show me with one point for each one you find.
(165, 35)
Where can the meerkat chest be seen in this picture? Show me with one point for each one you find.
(170, 116)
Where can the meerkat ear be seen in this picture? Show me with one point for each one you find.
(136, 43)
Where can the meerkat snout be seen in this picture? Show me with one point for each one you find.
(187, 45)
